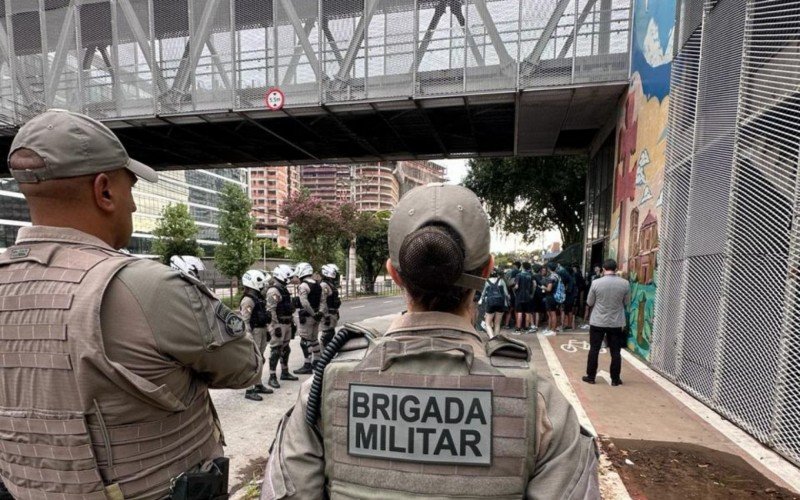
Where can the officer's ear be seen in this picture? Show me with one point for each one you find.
(102, 190)
(487, 269)
(394, 274)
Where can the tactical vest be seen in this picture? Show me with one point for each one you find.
(333, 302)
(443, 427)
(314, 293)
(258, 318)
(56, 385)
(284, 307)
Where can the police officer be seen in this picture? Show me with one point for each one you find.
(104, 389)
(309, 295)
(329, 305)
(279, 306)
(253, 310)
(432, 409)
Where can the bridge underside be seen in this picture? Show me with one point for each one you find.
(543, 122)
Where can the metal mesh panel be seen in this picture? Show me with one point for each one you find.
(668, 317)
(132, 59)
(253, 19)
(492, 44)
(296, 46)
(546, 27)
(443, 58)
(392, 40)
(683, 104)
(61, 81)
(601, 46)
(344, 48)
(690, 16)
(213, 69)
(93, 26)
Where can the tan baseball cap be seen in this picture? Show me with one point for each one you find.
(454, 206)
(72, 145)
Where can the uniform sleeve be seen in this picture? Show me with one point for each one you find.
(296, 463)
(246, 311)
(323, 304)
(566, 458)
(273, 298)
(193, 327)
(302, 293)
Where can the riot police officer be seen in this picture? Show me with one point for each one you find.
(330, 302)
(253, 310)
(309, 295)
(279, 308)
(433, 408)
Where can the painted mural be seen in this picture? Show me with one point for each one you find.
(641, 156)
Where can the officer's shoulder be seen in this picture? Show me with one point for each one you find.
(508, 352)
(150, 278)
(358, 340)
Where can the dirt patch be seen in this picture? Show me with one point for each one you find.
(681, 471)
(249, 477)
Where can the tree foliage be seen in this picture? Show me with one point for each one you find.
(235, 255)
(266, 248)
(373, 247)
(529, 195)
(176, 233)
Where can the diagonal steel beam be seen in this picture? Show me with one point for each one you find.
(218, 64)
(357, 40)
(195, 45)
(302, 37)
(426, 40)
(6, 51)
(291, 69)
(587, 9)
(541, 44)
(326, 30)
(60, 57)
(357, 138)
(455, 9)
(497, 41)
(276, 135)
(143, 39)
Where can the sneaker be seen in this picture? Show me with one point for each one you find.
(252, 395)
(559, 329)
(517, 331)
(585, 327)
(532, 329)
(483, 326)
(262, 389)
(587, 379)
(549, 333)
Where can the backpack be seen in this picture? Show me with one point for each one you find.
(493, 297)
(524, 290)
(560, 294)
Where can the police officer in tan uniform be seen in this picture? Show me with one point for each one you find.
(329, 305)
(433, 409)
(279, 306)
(107, 358)
(309, 295)
(253, 310)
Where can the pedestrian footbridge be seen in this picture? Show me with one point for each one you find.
(183, 82)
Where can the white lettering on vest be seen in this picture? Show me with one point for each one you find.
(448, 426)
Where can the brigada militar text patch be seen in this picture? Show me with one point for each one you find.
(445, 426)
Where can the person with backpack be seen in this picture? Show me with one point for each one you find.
(495, 300)
(553, 290)
(523, 305)
(567, 312)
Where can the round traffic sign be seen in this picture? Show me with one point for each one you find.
(275, 99)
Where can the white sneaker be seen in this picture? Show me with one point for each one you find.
(549, 333)
(532, 329)
(483, 325)
(585, 327)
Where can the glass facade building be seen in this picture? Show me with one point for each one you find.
(199, 189)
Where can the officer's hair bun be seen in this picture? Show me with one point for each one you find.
(432, 258)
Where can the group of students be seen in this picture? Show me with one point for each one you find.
(525, 295)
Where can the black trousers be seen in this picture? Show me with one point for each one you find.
(615, 339)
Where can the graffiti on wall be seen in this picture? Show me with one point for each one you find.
(641, 156)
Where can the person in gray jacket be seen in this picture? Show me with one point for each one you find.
(609, 296)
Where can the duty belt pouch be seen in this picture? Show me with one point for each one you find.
(210, 483)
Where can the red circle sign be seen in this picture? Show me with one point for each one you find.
(275, 98)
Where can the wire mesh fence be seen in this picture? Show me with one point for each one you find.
(726, 326)
(134, 58)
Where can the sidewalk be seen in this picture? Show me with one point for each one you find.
(662, 442)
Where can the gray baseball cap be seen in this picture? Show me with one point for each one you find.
(72, 145)
(454, 206)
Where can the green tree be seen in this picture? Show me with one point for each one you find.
(235, 255)
(318, 228)
(529, 195)
(266, 248)
(373, 247)
(176, 233)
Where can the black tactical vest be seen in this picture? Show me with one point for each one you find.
(314, 294)
(259, 317)
(333, 300)
(284, 307)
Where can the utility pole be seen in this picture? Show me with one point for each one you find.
(351, 258)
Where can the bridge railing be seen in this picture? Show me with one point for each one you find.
(135, 58)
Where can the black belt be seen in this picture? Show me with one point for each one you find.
(285, 320)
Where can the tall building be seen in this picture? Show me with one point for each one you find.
(376, 187)
(326, 182)
(269, 188)
(411, 174)
(199, 189)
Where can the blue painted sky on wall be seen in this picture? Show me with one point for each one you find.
(653, 27)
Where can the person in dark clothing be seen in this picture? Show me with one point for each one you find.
(539, 308)
(580, 288)
(510, 278)
(523, 291)
(567, 313)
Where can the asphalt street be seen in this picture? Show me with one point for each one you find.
(249, 426)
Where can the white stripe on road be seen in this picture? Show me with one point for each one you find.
(768, 458)
(388, 302)
(357, 307)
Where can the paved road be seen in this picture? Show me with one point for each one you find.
(249, 426)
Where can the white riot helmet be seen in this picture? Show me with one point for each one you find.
(330, 271)
(303, 269)
(255, 279)
(187, 264)
(282, 273)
